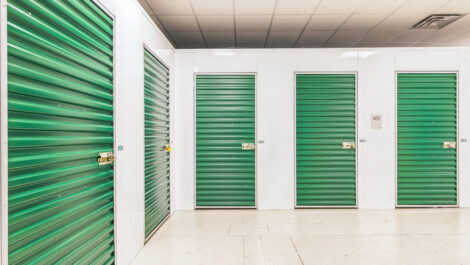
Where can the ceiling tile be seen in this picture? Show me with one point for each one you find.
(258, 7)
(326, 22)
(315, 36)
(300, 7)
(412, 35)
(399, 44)
(251, 36)
(455, 7)
(309, 45)
(179, 23)
(173, 7)
(251, 45)
(191, 46)
(283, 36)
(279, 45)
(289, 22)
(444, 35)
(252, 22)
(220, 37)
(337, 7)
(338, 45)
(381, 35)
(216, 22)
(401, 21)
(362, 23)
(211, 7)
(182, 37)
(345, 36)
(420, 6)
(378, 6)
(146, 7)
(370, 44)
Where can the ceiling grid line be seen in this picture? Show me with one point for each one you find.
(198, 24)
(306, 24)
(271, 23)
(337, 29)
(378, 24)
(234, 24)
(164, 28)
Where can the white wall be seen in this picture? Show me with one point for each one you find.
(133, 29)
(275, 117)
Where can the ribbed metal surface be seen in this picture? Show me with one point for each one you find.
(157, 135)
(427, 117)
(325, 118)
(60, 117)
(225, 118)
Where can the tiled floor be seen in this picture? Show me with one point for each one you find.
(317, 237)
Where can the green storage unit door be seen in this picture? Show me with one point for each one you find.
(60, 117)
(325, 119)
(157, 138)
(225, 118)
(426, 118)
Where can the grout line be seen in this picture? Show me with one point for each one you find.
(198, 24)
(296, 251)
(171, 39)
(270, 23)
(306, 24)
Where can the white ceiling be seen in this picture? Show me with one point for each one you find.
(307, 23)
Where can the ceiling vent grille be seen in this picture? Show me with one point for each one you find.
(436, 21)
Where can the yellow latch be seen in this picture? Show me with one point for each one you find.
(349, 145)
(106, 158)
(167, 148)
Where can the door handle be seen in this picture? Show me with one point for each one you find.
(449, 145)
(106, 158)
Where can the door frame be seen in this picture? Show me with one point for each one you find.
(355, 73)
(3, 133)
(195, 74)
(147, 48)
(456, 72)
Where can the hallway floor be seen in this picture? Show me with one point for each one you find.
(340, 237)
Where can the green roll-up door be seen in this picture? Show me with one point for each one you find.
(326, 139)
(157, 142)
(426, 139)
(225, 119)
(60, 117)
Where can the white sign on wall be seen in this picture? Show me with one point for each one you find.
(376, 121)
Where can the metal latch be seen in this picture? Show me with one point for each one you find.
(448, 145)
(248, 146)
(167, 148)
(349, 145)
(106, 158)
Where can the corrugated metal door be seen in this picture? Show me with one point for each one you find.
(225, 119)
(426, 139)
(326, 139)
(157, 142)
(60, 117)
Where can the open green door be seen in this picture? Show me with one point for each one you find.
(157, 142)
(225, 139)
(427, 139)
(325, 140)
(60, 118)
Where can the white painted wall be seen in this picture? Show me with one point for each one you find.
(133, 29)
(275, 125)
